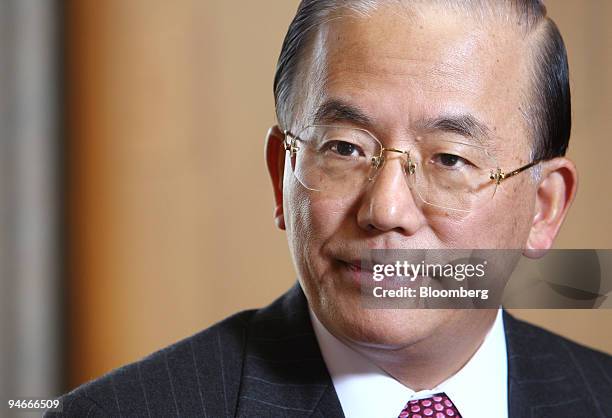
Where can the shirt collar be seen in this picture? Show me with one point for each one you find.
(478, 389)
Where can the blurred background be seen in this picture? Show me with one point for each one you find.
(135, 207)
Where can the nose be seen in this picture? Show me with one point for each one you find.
(389, 204)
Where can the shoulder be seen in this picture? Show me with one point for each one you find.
(545, 365)
(181, 379)
(533, 339)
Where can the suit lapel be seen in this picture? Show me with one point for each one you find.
(284, 373)
(542, 378)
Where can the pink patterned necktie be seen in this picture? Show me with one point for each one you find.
(436, 406)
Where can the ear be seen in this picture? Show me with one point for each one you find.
(275, 159)
(555, 193)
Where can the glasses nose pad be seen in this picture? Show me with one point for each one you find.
(376, 164)
(410, 168)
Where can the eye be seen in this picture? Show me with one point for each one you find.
(345, 149)
(450, 160)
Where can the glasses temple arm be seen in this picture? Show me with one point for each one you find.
(499, 175)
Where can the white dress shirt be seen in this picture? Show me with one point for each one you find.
(479, 389)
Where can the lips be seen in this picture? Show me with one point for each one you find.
(352, 271)
(356, 265)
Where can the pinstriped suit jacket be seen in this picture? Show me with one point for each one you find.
(267, 363)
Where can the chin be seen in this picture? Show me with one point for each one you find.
(385, 328)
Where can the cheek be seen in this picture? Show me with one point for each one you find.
(506, 222)
(312, 220)
(310, 216)
(502, 223)
(330, 216)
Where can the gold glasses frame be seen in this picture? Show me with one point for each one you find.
(497, 175)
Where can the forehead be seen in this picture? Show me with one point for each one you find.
(403, 67)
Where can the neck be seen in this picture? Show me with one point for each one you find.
(428, 362)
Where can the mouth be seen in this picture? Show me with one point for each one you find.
(356, 266)
(365, 270)
(353, 270)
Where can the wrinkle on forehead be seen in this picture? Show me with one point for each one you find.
(435, 49)
(428, 56)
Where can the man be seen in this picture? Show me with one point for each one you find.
(390, 113)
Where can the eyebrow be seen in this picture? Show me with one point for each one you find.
(339, 111)
(465, 125)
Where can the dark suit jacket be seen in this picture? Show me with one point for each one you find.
(267, 363)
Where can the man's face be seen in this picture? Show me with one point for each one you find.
(401, 71)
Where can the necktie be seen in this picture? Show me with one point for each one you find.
(436, 406)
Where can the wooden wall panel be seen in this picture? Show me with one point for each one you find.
(169, 210)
